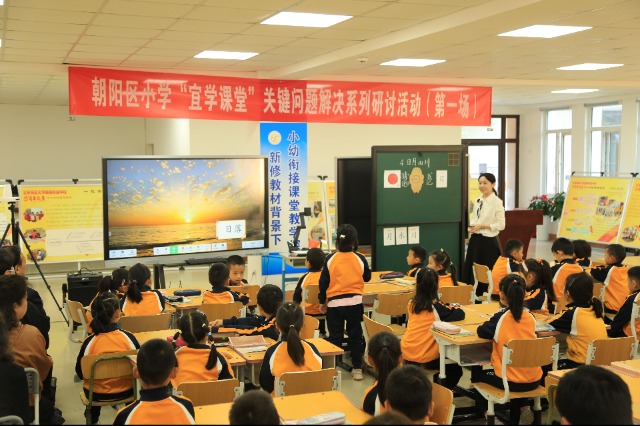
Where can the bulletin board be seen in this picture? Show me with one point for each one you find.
(419, 197)
(629, 235)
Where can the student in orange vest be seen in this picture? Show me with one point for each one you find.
(384, 354)
(313, 262)
(140, 298)
(507, 264)
(614, 277)
(440, 261)
(540, 296)
(415, 259)
(199, 361)
(562, 250)
(236, 270)
(220, 293)
(621, 323)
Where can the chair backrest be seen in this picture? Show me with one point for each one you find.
(462, 294)
(606, 351)
(443, 405)
(393, 304)
(250, 290)
(215, 311)
(482, 274)
(211, 392)
(301, 382)
(598, 291)
(530, 353)
(76, 312)
(107, 366)
(310, 294)
(288, 295)
(369, 329)
(136, 324)
(11, 420)
(309, 328)
(33, 382)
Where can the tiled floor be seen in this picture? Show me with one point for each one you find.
(64, 352)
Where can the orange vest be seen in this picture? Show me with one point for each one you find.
(616, 289)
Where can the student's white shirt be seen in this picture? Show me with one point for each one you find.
(488, 211)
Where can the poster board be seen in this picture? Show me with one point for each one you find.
(419, 197)
(630, 229)
(5, 213)
(594, 208)
(62, 223)
(316, 224)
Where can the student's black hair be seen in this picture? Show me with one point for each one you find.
(156, 360)
(388, 418)
(15, 252)
(194, 327)
(511, 246)
(104, 306)
(139, 275)
(234, 259)
(491, 178)
(581, 249)
(218, 275)
(290, 319)
(580, 288)
(384, 349)
(634, 274)
(544, 279)
(347, 238)
(426, 290)
(442, 258)
(409, 391)
(6, 354)
(269, 298)
(6, 260)
(617, 252)
(608, 396)
(107, 284)
(315, 257)
(513, 287)
(121, 278)
(13, 289)
(419, 252)
(254, 407)
(564, 245)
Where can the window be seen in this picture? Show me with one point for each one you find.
(604, 130)
(557, 150)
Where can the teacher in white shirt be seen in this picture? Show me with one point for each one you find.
(485, 223)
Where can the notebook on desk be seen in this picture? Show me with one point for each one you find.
(248, 344)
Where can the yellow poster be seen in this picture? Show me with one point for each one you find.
(631, 221)
(5, 214)
(62, 223)
(316, 223)
(593, 208)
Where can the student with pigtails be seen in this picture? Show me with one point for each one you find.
(385, 355)
(291, 353)
(418, 345)
(106, 338)
(140, 298)
(199, 361)
(582, 320)
(440, 261)
(540, 295)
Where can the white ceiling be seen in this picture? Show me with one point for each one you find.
(40, 38)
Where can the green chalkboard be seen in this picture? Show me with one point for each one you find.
(421, 186)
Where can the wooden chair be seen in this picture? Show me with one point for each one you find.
(309, 328)
(635, 310)
(215, 311)
(552, 387)
(606, 351)
(76, 314)
(461, 294)
(250, 290)
(521, 353)
(482, 274)
(300, 382)
(393, 305)
(138, 323)
(310, 295)
(443, 407)
(288, 295)
(33, 382)
(106, 366)
(211, 392)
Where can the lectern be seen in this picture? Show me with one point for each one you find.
(520, 224)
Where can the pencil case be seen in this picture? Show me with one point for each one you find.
(394, 274)
(446, 327)
(187, 292)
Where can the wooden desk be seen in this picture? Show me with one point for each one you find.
(463, 350)
(385, 288)
(195, 303)
(293, 407)
(483, 308)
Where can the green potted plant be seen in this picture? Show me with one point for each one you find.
(556, 203)
(551, 207)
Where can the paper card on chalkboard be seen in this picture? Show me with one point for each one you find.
(401, 235)
(392, 178)
(413, 234)
(441, 178)
(389, 236)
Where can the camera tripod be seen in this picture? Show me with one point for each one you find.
(17, 232)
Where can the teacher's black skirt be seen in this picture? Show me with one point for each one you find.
(482, 250)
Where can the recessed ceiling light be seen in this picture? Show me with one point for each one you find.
(544, 31)
(0, 40)
(575, 91)
(589, 67)
(1, 2)
(407, 62)
(299, 19)
(221, 54)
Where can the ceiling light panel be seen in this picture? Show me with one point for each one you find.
(544, 31)
(300, 19)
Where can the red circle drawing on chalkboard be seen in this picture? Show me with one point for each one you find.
(392, 178)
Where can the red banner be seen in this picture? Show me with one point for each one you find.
(108, 92)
